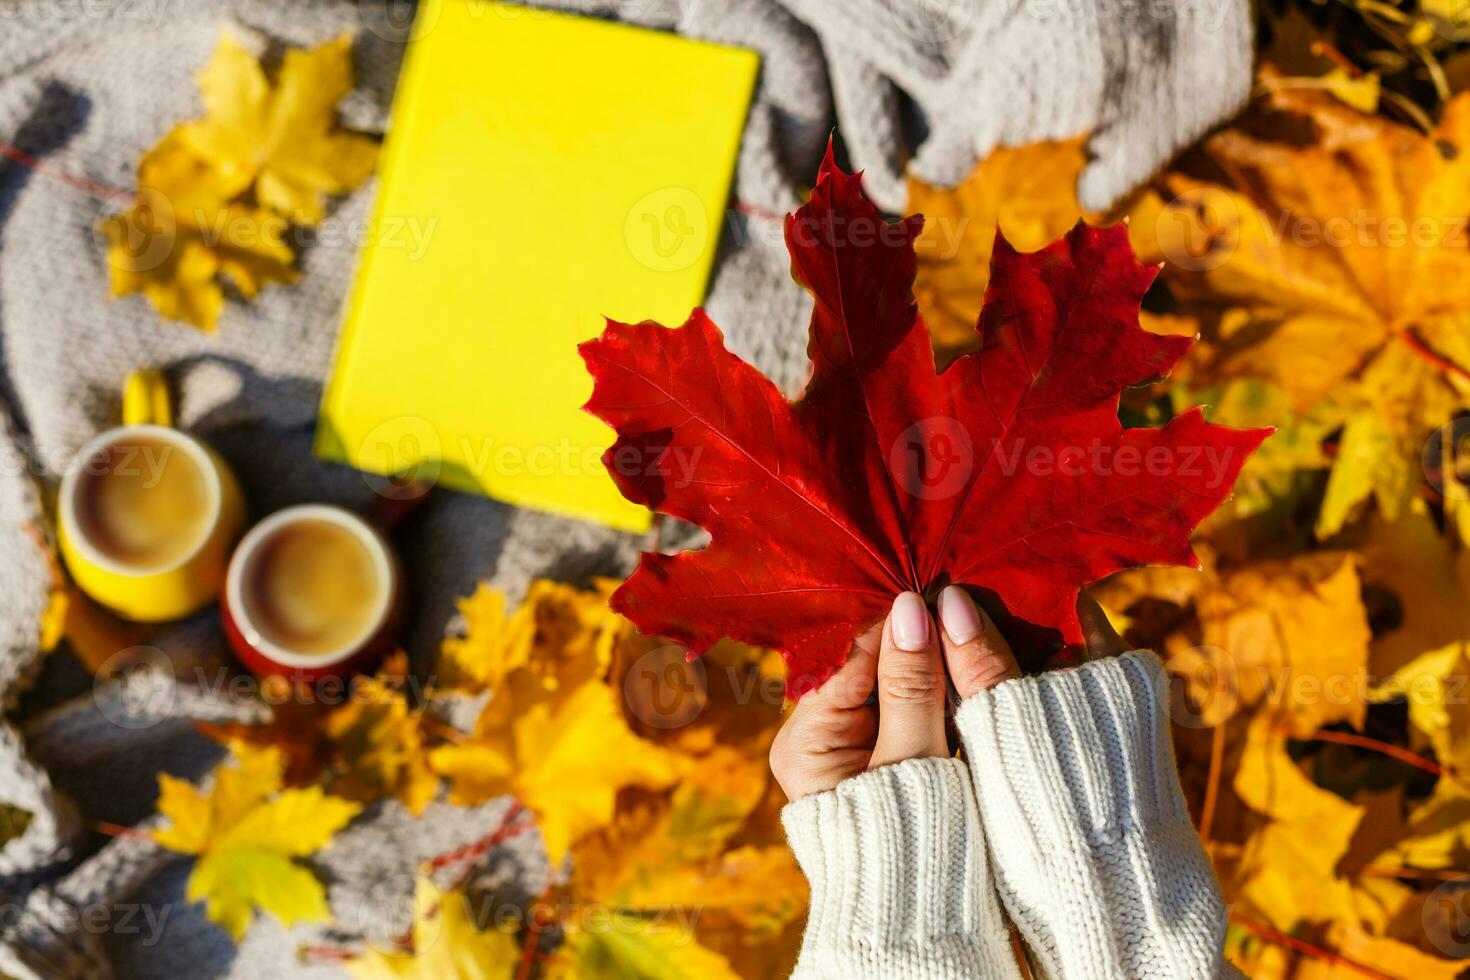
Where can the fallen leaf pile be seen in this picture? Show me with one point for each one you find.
(218, 196)
(644, 775)
(1320, 250)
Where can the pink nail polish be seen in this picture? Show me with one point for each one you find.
(910, 622)
(958, 615)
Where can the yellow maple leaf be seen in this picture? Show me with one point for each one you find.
(445, 944)
(1410, 567)
(553, 733)
(1029, 191)
(244, 834)
(565, 757)
(1289, 868)
(281, 140)
(1387, 956)
(676, 852)
(379, 742)
(629, 947)
(1258, 635)
(1331, 261)
(559, 636)
(493, 643)
(182, 234)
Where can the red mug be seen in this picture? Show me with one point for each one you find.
(312, 591)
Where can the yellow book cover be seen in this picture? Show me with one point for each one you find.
(554, 170)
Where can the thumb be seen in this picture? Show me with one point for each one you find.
(910, 686)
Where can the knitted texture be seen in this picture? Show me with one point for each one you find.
(1089, 836)
(86, 88)
(1146, 79)
(898, 878)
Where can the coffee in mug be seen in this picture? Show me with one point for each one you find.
(146, 516)
(311, 590)
(143, 502)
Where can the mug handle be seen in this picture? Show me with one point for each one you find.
(146, 399)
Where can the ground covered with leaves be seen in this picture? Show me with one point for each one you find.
(1318, 246)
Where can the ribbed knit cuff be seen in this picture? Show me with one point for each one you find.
(897, 869)
(1090, 839)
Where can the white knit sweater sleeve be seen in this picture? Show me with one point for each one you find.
(1090, 841)
(900, 888)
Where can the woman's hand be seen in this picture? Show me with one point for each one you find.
(836, 731)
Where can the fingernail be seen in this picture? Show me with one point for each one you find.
(910, 622)
(958, 615)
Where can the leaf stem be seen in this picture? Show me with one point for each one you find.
(1212, 783)
(118, 830)
(1411, 874)
(1305, 948)
(1418, 346)
(1376, 745)
(33, 163)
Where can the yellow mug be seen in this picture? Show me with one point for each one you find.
(190, 574)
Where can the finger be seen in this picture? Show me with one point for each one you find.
(1102, 640)
(817, 749)
(910, 686)
(851, 685)
(977, 656)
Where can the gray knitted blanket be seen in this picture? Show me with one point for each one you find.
(86, 86)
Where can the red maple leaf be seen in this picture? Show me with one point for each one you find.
(1008, 472)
